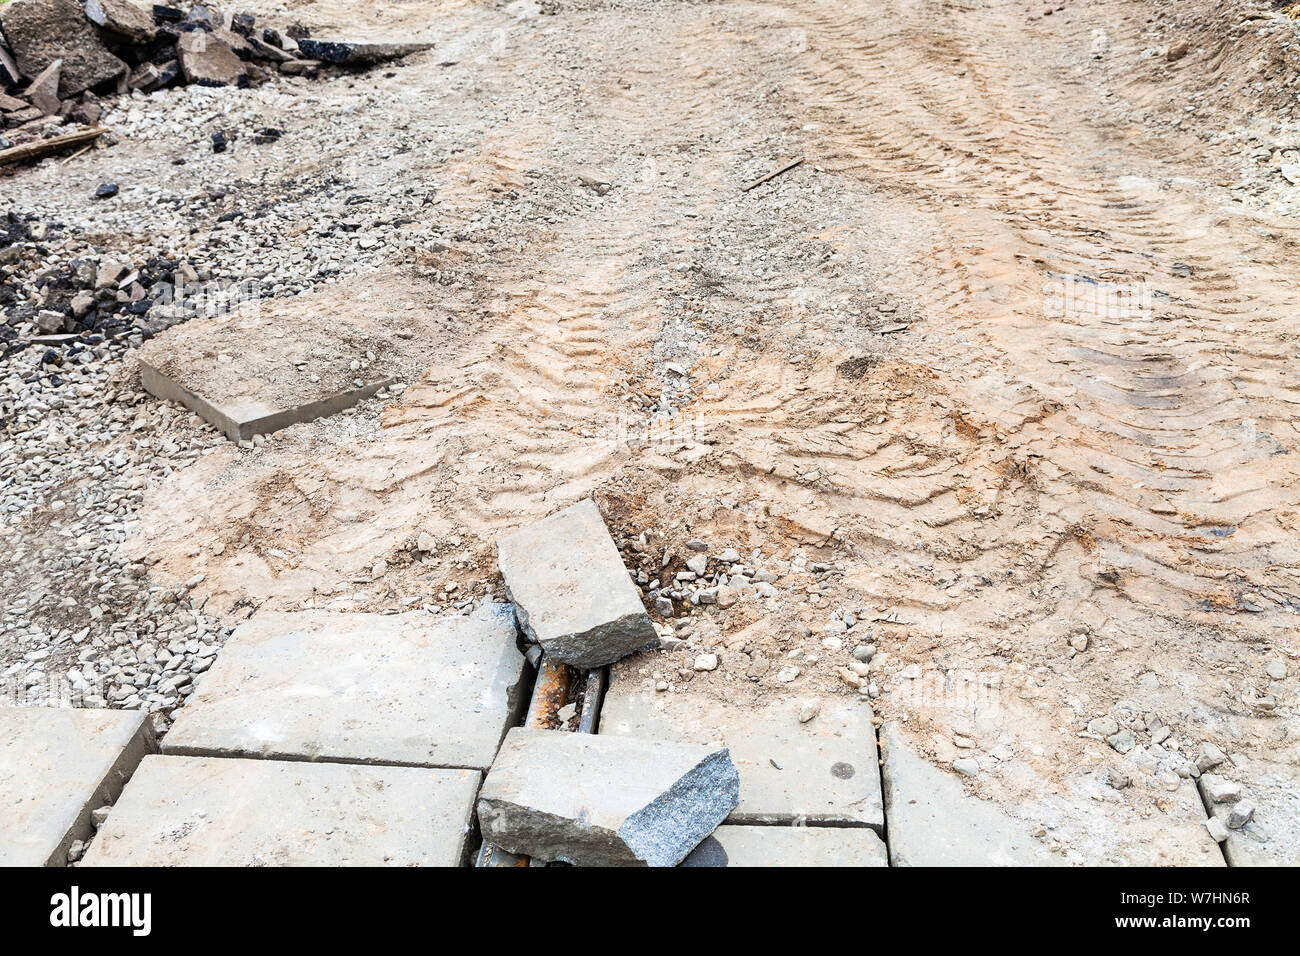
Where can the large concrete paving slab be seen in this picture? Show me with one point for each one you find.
(934, 822)
(1078, 819)
(604, 801)
(778, 846)
(825, 771)
(402, 689)
(250, 364)
(1272, 836)
(571, 590)
(202, 811)
(56, 766)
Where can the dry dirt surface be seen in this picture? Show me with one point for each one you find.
(1003, 368)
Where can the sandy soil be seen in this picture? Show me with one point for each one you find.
(1009, 352)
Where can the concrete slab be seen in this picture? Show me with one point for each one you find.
(56, 766)
(934, 822)
(825, 771)
(1272, 836)
(790, 846)
(241, 416)
(604, 801)
(571, 591)
(199, 811)
(401, 689)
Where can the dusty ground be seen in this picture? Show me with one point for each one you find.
(1003, 368)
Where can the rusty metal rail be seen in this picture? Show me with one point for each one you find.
(556, 685)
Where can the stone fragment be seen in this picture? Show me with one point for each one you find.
(604, 801)
(1209, 757)
(44, 90)
(1240, 814)
(1218, 832)
(42, 31)
(123, 18)
(208, 60)
(1220, 790)
(571, 592)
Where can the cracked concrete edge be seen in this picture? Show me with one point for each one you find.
(677, 810)
(142, 744)
(237, 430)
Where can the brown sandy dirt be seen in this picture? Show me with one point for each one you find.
(1005, 362)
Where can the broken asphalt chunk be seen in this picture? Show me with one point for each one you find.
(350, 53)
(122, 18)
(604, 801)
(42, 31)
(571, 592)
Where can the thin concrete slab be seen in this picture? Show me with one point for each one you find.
(824, 771)
(402, 689)
(198, 811)
(737, 846)
(241, 416)
(56, 766)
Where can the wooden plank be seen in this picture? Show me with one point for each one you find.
(43, 147)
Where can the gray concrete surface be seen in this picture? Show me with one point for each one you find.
(571, 590)
(56, 766)
(604, 801)
(778, 846)
(199, 811)
(404, 689)
(239, 419)
(934, 822)
(824, 771)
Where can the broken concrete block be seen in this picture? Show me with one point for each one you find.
(197, 811)
(42, 31)
(571, 591)
(57, 766)
(207, 60)
(355, 53)
(789, 846)
(823, 771)
(122, 18)
(406, 689)
(604, 801)
(44, 90)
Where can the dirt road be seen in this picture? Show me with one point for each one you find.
(1010, 349)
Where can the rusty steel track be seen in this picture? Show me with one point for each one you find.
(556, 686)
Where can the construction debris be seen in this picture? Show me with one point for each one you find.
(113, 47)
(44, 147)
(350, 53)
(604, 801)
(42, 31)
(570, 589)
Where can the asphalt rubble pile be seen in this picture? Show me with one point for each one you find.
(60, 59)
